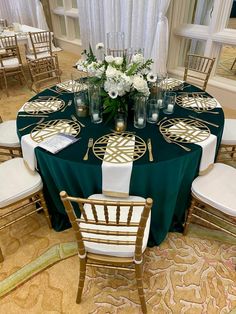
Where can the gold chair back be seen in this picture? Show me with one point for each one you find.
(41, 42)
(117, 52)
(90, 227)
(44, 71)
(198, 68)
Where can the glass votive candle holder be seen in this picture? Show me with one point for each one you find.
(140, 114)
(152, 111)
(81, 104)
(169, 102)
(120, 121)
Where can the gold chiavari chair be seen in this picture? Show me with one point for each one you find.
(20, 194)
(198, 68)
(39, 45)
(233, 64)
(110, 233)
(10, 60)
(214, 199)
(44, 72)
(227, 151)
(9, 141)
(117, 52)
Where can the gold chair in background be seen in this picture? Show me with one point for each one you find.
(44, 72)
(39, 45)
(227, 151)
(198, 68)
(216, 191)
(20, 194)
(10, 60)
(117, 52)
(110, 233)
(233, 64)
(9, 141)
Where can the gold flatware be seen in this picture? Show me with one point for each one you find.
(53, 90)
(33, 116)
(187, 149)
(67, 105)
(90, 145)
(76, 120)
(204, 121)
(24, 128)
(149, 145)
(158, 123)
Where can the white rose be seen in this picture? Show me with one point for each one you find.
(137, 58)
(118, 60)
(109, 59)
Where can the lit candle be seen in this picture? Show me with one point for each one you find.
(95, 116)
(159, 102)
(79, 101)
(154, 116)
(140, 121)
(170, 108)
(120, 125)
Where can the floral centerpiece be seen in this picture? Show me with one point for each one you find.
(120, 77)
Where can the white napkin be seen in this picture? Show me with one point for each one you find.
(43, 105)
(208, 147)
(28, 145)
(116, 176)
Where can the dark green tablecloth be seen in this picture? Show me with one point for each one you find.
(167, 180)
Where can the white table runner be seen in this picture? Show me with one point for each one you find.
(116, 176)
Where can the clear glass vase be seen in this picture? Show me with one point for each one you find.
(140, 111)
(95, 103)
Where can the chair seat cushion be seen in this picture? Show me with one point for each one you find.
(11, 63)
(8, 135)
(218, 188)
(39, 55)
(110, 249)
(229, 134)
(18, 181)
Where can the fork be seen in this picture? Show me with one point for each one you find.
(182, 146)
(90, 144)
(149, 145)
(25, 127)
(76, 120)
(67, 105)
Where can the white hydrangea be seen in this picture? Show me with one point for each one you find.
(140, 85)
(100, 71)
(111, 72)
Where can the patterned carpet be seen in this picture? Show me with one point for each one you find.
(192, 274)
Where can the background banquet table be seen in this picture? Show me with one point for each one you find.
(167, 180)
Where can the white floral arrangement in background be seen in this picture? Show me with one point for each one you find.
(119, 77)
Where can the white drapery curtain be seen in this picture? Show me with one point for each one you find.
(29, 12)
(143, 22)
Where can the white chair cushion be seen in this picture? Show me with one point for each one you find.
(8, 135)
(39, 55)
(218, 188)
(18, 181)
(110, 249)
(229, 134)
(11, 63)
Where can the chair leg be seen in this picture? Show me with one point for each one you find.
(1, 256)
(190, 211)
(45, 209)
(139, 279)
(233, 64)
(5, 81)
(82, 273)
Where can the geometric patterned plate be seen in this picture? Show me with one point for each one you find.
(47, 129)
(48, 105)
(196, 102)
(171, 84)
(184, 130)
(72, 86)
(119, 148)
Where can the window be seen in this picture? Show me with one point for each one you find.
(206, 27)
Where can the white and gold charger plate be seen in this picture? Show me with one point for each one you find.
(196, 102)
(47, 129)
(184, 130)
(171, 84)
(72, 86)
(40, 106)
(119, 148)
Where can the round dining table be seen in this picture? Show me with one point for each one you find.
(167, 180)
